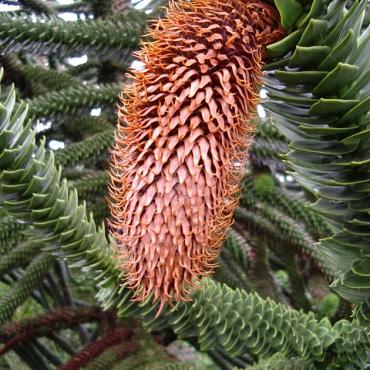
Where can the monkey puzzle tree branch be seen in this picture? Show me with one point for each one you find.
(52, 35)
(19, 331)
(22, 289)
(94, 349)
(71, 99)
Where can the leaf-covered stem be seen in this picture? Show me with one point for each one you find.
(18, 257)
(69, 100)
(89, 149)
(46, 35)
(19, 331)
(94, 349)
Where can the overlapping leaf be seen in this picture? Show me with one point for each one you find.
(317, 95)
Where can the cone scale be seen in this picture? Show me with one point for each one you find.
(182, 141)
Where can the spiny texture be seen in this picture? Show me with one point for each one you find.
(181, 142)
(18, 332)
(97, 347)
(120, 6)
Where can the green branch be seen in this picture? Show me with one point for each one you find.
(87, 126)
(319, 105)
(49, 78)
(92, 186)
(259, 226)
(119, 335)
(89, 149)
(280, 362)
(268, 145)
(10, 233)
(241, 322)
(46, 35)
(234, 262)
(109, 357)
(262, 188)
(22, 289)
(31, 190)
(69, 100)
(18, 256)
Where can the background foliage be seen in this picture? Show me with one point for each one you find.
(269, 304)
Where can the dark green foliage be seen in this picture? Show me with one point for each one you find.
(290, 11)
(89, 149)
(148, 356)
(108, 358)
(18, 256)
(259, 226)
(52, 35)
(49, 78)
(241, 322)
(267, 146)
(119, 336)
(329, 305)
(10, 232)
(234, 262)
(40, 196)
(14, 74)
(264, 189)
(169, 365)
(86, 126)
(71, 99)
(293, 339)
(32, 277)
(268, 305)
(279, 362)
(90, 187)
(329, 131)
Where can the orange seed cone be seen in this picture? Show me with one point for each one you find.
(182, 141)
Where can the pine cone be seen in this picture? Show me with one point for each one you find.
(182, 140)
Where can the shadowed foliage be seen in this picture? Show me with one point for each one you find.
(280, 217)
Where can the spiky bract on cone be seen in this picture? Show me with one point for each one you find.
(182, 139)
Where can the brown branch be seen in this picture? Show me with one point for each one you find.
(17, 332)
(96, 348)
